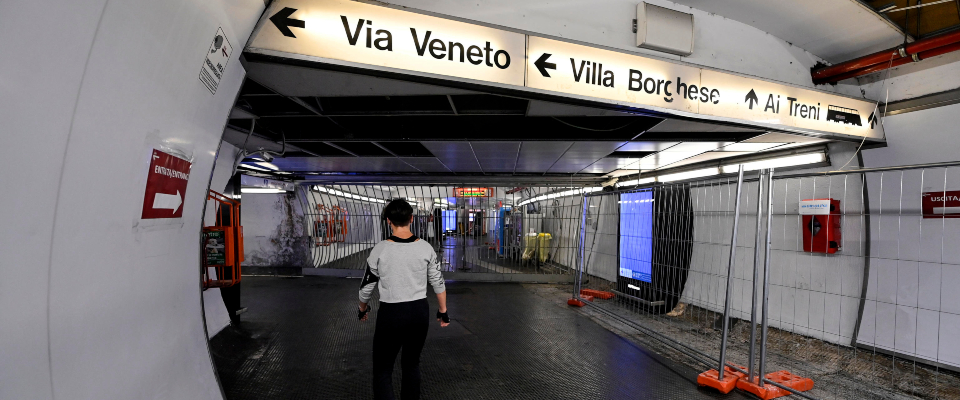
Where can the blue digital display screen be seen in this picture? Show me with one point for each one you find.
(636, 235)
(449, 220)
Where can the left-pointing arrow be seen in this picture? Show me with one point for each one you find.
(283, 22)
(163, 201)
(543, 65)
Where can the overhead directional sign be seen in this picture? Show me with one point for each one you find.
(368, 34)
(166, 185)
(383, 38)
(283, 22)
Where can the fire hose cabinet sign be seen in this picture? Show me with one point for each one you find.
(821, 225)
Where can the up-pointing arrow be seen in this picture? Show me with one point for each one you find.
(751, 98)
(283, 21)
(543, 65)
(163, 201)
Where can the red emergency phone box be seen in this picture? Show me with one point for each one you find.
(821, 225)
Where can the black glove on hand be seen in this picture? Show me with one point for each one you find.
(443, 317)
(361, 314)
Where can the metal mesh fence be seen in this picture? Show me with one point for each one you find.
(494, 230)
(856, 296)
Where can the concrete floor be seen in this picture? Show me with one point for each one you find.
(300, 339)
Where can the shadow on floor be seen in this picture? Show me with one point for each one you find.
(300, 339)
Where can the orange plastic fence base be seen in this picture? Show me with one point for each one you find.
(596, 293)
(586, 297)
(711, 378)
(791, 381)
(730, 378)
(766, 392)
(575, 303)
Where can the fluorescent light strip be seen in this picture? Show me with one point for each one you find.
(267, 165)
(338, 193)
(779, 162)
(261, 190)
(637, 182)
(679, 176)
(253, 167)
(560, 194)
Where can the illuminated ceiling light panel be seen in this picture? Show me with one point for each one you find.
(254, 167)
(689, 174)
(560, 194)
(751, 147)
(779, 162)
(636, 182)
(261, 190)
(268, 166)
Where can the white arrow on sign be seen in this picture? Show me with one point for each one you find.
(163, 201)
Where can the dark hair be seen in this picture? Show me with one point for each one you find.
(398, 212)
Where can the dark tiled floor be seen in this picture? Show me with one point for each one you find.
(300, 340)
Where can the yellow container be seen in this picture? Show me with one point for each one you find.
(529, 246)
(543, 240)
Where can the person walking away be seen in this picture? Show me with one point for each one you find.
(401, 267)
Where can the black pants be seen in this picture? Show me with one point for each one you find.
(400, 326)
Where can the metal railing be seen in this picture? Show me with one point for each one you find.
(871, 315)
(499, 230)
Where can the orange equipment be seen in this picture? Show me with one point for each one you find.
(575, 303)
(768, 391)
(731, 375)
(600, 294)
(338, 224)
(321, 228)
(330, 226)
(223, 244)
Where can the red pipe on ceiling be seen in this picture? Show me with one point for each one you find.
(895, 63)
(827, 74)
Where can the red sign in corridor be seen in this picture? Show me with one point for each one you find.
(941, 204)
(166, 185)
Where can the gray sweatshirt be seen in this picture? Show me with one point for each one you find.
(401, 270)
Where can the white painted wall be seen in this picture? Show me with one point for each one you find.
(719, 42)
(813, 294)
(913, 306)
(214, 310)
(96, 304)
(273, 231)
(933, 75)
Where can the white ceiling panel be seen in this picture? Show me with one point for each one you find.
(605, 165)
(647, 146)
(537, 157)
(711, 155)
(582, 154)
(835, 30)
(497, 156)
(455, 155)
(426, 164)
(697, 147)
(777, 137)
(342, 164)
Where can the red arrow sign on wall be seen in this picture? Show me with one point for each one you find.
(166, 184)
